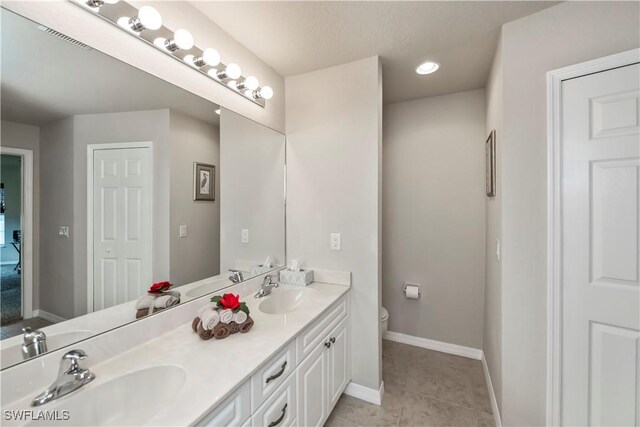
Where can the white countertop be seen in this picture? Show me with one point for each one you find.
(214, 368)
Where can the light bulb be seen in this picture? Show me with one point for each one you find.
(209, 57)
(183, 39)
(250, 83)
(233, 71)
(149, 18)
(218, 111)
(233, 84)
(265, 92)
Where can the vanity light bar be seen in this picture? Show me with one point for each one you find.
(146, 24)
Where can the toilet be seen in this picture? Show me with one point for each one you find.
(384, 320)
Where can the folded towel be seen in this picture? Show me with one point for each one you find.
(240, 317)
(205, 334)
(165, 301)
(234, 327)
(145, 311)
(226, 316)
(145, 301)
(246, 326)
(194, 324)
(210, 306)
(209, 319)
(221, 331)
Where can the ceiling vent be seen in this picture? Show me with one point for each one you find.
(63, 37)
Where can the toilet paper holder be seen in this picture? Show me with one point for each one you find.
(417, 285)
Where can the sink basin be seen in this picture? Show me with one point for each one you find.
(284, 301)
(13, 354)
(130, 399)
(208, 288)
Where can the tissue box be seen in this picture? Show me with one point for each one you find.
(256, 271)
(300, 278)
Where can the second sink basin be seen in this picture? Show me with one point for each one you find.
(283, 301)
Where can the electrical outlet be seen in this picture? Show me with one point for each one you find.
(183, 231)
(336, 241)
(244, 236)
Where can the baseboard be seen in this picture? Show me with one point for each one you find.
(458, 350)
(367, 394)
(492, 395)
(48, 316)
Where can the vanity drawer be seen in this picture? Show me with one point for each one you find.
(272, 374)
(233, 411)
(315, 333)
(280, 409)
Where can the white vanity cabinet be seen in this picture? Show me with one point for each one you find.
(299, 385)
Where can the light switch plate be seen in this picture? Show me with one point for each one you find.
(245, 235)
(183, 231)
(336, 241)
(63, 232)
(498, 249)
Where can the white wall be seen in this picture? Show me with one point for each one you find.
(333, 161)
(198, 255)
(434, 216)
(27, 137)
(565, 34)
(122, 127)
(82, 25)
(252, 179)
(492, 333)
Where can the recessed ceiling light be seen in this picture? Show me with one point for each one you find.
(428, 67)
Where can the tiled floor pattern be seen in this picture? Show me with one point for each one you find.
(422, 388)
(13, 329)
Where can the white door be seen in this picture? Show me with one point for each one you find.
(601, 254)
(122, 238)
(312, 388)
(338, 362)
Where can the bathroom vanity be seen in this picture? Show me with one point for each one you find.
(290, 369)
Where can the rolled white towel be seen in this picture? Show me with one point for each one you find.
(226, 316)
(240, 317)
(165, 301)
(209, 307)
(209, 319)
(145, 301)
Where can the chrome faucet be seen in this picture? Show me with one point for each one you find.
(267, 286)
(70, 378)
(35, 343)
(236, 276)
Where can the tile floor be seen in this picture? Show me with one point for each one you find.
(422, 388)
(13, 329)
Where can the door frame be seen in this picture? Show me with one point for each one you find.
(554, 216)
(91, 149)
(26, 227)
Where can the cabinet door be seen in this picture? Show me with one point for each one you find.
(234, 411)
(312, 387)
(338, 355)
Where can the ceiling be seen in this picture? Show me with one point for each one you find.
(46, 79)
(301, 36)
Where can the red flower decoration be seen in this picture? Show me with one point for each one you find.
(230, 301)
(159, 287)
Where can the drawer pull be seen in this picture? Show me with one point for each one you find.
(274, 376)
(327, 344)
(333, 340)
(279, 420)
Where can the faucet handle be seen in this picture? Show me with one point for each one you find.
(73, 356)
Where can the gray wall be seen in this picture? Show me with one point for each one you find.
(565, 34)
(198, 255)
(122, 127)
(434, 216)
(11, 177)
(333, 178)
(492, 334)
(252, 160)
(57, 184)
(27, 137)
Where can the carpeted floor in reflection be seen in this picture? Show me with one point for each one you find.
(10, 295)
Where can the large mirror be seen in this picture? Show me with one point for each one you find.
(113, 180)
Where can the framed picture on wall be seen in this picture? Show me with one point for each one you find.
(204, 179)
(490, 153)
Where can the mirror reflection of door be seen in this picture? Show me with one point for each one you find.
(122, 218)
(10, 233)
